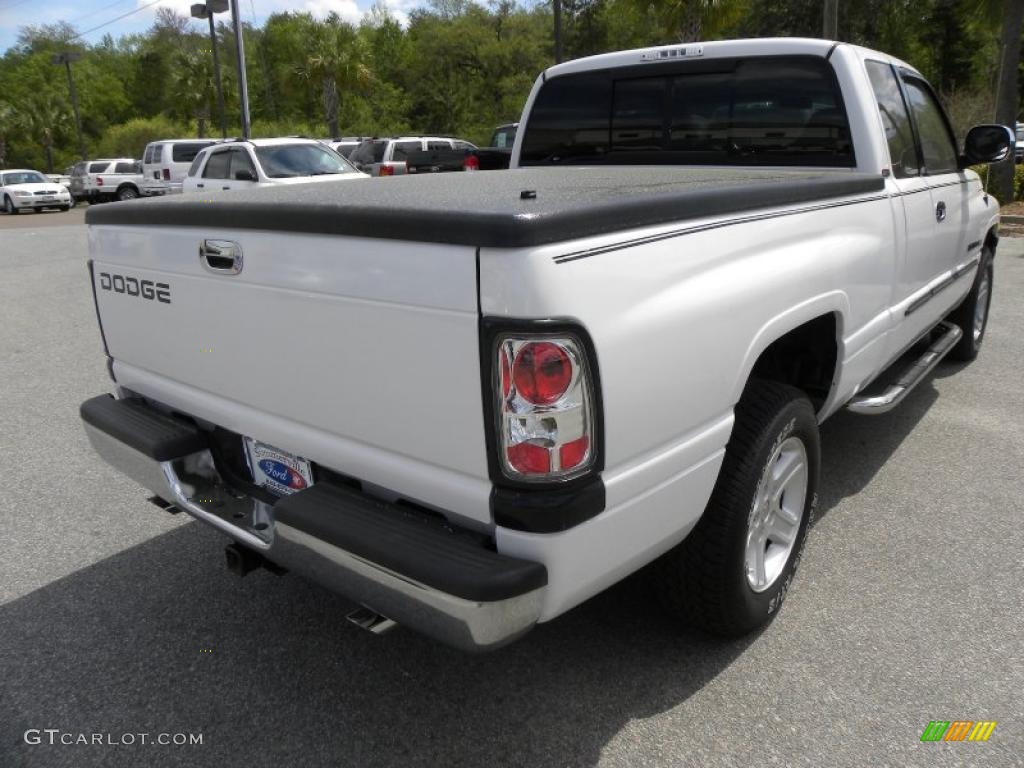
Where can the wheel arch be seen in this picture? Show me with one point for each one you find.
(992, 238)
(800, 347)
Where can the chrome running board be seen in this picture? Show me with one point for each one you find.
(895, 393)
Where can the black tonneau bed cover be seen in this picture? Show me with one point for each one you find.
(516, 208)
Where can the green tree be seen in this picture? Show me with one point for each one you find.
(338, 61)
(43, 118)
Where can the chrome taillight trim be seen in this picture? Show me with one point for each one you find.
(577, 401)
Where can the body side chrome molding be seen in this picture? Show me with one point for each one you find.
(931, 291)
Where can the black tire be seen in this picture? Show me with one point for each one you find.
(964, 316)
(65, 208)
(704, 579)
(10, 207)
(127, 192)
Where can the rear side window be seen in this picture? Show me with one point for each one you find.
(128, 168)
(403, 149)
(895, 120)
(217, 166)
(98, 167)
(186, 152)
(436, 145)
(937, 145)
(369, 152)
(503, 137)
(767, 111)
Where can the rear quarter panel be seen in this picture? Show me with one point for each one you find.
(678, 323)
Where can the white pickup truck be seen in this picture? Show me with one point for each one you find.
(469, 402)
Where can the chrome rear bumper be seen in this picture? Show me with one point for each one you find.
(191, 483)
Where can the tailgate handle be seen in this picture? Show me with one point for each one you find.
(222, 257)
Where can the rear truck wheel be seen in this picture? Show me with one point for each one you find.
(972, 315)
(127, 193)
(9, 206)
(65, 208)
(731, 574)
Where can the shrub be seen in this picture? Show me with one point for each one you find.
(130, 139)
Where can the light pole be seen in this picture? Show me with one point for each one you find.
(557, 8)
(243, 85)
(830, 20)
(66, 58)
(206, 11)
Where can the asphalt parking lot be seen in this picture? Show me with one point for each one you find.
(117, 618)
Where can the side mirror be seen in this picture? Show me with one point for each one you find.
(988, 144)
(245, 175)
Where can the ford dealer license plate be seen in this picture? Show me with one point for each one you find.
(276, 470)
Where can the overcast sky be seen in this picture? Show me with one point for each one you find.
(86, 14)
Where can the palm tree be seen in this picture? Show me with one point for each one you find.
(43, 117)
(693, 20)
(339, 59)
(7, 124)
(192, 86)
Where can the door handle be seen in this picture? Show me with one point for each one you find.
(225, 187)
(940, 211)
(200, 185)
(222, 257)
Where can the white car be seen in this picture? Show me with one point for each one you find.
(22, 189)
(243, 164)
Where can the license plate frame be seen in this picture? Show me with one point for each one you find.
(278, 471)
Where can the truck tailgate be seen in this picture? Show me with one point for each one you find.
(367, 340)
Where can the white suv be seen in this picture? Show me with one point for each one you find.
(241, 164)
(165, 163)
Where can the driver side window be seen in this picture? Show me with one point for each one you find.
(940, 155)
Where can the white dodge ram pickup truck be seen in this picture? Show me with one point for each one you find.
(469, 402)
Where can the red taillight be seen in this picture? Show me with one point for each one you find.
(572, 454)
(99, 181)
(387, 170)
(544, 403)
(471, 163)
(529, 459)
(167, 174)
(542, 372)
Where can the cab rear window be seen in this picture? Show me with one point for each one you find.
(186, 152)
(761, 111)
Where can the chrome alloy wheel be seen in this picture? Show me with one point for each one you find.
(775, 517)
(981, 306)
